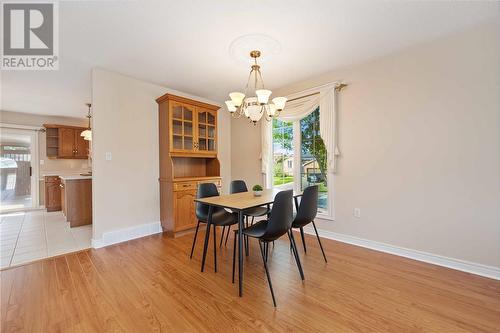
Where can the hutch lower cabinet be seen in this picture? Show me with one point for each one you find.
(188, 157)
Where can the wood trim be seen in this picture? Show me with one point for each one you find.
(65, 126)
(186, 179)
(198, 154)
(180, 99)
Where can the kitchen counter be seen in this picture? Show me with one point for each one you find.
(74, 177)
(76, 199)
(62, 174)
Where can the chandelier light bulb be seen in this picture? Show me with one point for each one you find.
(237, 98)
(230, 106)
(263, 95)
(271, 110)
(255, 113)
(280, 102)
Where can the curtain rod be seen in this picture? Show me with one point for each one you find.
(338, 88)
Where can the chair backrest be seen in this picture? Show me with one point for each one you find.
(205, 190)
(281, 216)
(238, 186)
(308, 207)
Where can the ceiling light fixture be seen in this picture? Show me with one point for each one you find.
(257, 104)
(87, 134)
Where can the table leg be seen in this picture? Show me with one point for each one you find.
(240, 252)
(207, 236)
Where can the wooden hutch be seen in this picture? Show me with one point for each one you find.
(188, 157)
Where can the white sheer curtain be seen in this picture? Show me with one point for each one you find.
(298, 108)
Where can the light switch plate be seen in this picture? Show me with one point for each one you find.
(109, 156)
(357, 213)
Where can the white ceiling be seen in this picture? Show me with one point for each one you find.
(185, 44)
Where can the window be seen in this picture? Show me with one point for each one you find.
(299, 144)
(283, 154)
(313, 160)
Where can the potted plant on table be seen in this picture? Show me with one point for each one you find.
(257, 190)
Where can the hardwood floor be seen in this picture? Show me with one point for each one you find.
(150, 284)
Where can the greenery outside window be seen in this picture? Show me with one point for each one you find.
(300, 159)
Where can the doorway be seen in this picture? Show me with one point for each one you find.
(18, 169)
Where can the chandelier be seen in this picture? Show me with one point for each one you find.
(257, 104)
(87, 134)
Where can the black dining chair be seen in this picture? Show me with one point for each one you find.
(278, 224)
(239, 186)
(220, 217)
(306, 213)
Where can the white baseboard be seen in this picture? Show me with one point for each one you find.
(461, 265)
(123, 235)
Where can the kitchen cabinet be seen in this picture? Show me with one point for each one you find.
(66, 142)
(52, 193)
(76, 198)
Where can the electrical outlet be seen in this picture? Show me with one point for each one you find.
(42, 162)
(109, 156)
(357, 213)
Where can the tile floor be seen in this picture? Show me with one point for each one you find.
(28, 236)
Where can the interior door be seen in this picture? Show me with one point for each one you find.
(66, 142)
(18, 169)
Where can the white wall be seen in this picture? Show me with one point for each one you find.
(245, 151)
(125, 123)
(420, 141)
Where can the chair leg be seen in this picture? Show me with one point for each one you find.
(234, 253)
(319, 241)
(253, 218)
(266, 248)
(303, 239)
(227, 235)
(295, 253)
(215, 249)
(222, 236)
(194, 240)
(267, 273)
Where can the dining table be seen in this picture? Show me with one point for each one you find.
(238, 203)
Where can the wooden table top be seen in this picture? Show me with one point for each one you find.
(243, 200)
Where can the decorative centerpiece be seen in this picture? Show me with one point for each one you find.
(257, 190)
